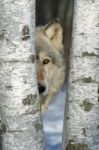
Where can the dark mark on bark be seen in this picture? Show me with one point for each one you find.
(93, 1)
(16, 131)
(31, 112)
(88, 80)
(2, 130)
(14, 61)
(87, 105)
(25, 33)
(82, 33)
(2, 34)
(84, 54)
(10, 61)
(2, 127)
(98, 126)
(38, 126)
(97, 25)
(24, 81)
(77, 146)
(98, 92)
(67, 117)
(85, 80)
(32, 58)
(84, 131)
(1, 142)
(9, 87)
(71, 140)
(29, 100)
(97, 48)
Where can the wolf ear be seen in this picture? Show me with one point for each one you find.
(53, 31)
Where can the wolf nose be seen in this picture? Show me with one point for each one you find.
(41, 88)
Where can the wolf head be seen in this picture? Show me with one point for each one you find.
(50, 58)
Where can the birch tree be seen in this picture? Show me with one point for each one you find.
(81, 123)
(20, 119)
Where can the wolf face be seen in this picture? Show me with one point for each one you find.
(50, 62)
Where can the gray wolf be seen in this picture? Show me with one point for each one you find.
(50, 61)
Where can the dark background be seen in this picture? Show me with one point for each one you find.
(47, 10)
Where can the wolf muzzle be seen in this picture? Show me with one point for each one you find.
(41, 88)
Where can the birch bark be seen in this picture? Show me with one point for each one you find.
(20, 119)
(81, 123)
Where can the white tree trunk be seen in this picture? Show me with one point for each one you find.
(20, 119)
(81, 124)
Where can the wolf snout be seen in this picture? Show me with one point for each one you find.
(41, 88)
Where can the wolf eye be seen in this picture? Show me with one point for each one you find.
(45, 61)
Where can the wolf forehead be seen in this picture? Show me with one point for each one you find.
(43, 45)
(45, 51)
(42, 42)
(48, 40)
